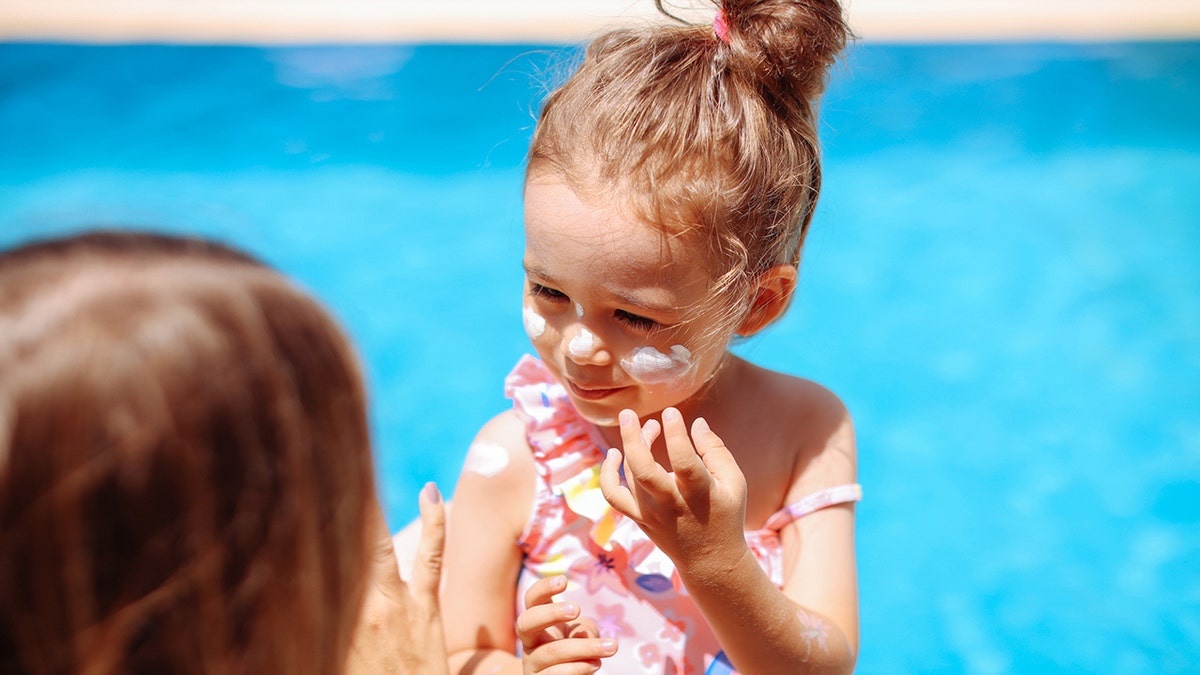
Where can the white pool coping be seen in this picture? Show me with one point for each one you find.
(561, 21)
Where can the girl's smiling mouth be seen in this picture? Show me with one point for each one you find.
(591, 393)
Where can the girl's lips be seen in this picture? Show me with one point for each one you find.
(593, 393)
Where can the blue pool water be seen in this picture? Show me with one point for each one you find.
(1003, 283)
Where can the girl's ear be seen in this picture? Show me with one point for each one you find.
(771, 296)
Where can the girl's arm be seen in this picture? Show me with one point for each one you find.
(696, 515)
(492, 500)
(492, 503)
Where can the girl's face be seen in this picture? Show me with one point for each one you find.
(612, 305)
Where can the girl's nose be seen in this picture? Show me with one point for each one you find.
(583, 346)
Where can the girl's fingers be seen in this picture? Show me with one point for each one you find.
(538, 624)
(553, 637)
(715, 455)
(583, 628)
(690, 472)
(574, 668)
(543, 619)
(641, 471)
(427, 569)
(542, 591)
(572, 655)
(650, 431)
(617, 495)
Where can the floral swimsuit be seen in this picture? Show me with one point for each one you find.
(620, 579)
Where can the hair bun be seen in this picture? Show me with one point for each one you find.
(787, 44)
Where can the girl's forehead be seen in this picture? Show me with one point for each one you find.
(556, 216)
(568, 238)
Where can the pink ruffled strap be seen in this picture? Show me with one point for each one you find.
(839, 494)
(567, 452)
(563, 443)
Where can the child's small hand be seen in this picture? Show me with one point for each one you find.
(696, 512)
(553, 638)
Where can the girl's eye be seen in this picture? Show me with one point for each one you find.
(547, 293)
(634, 321)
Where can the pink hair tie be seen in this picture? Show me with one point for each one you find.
(720, 27)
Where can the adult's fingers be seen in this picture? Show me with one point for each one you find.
(385, 606)
(427, 568)
(383, 571)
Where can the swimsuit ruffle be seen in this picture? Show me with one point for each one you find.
(567, 451)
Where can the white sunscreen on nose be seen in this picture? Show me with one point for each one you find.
(535, 324)
(579, 310)
(486, 459)
(583, 344)
(650, 366)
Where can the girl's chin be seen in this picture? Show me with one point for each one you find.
(601, 416)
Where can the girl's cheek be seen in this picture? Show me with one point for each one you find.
(535, 324)
(650, 366)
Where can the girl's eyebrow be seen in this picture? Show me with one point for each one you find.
(536, 271)
(643, 304)
(625, 298)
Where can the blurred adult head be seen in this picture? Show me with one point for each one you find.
(185, 468)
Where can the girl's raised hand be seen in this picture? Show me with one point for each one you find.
(553, 639)
(696, 512)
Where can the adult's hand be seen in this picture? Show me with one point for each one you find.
(400, 628)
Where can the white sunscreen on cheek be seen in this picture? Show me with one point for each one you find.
(579, 310)
(583, 344)
(535, 324)
(650, 366)
(486, 459)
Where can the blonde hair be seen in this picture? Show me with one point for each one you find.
(703, 136)
(184, 463)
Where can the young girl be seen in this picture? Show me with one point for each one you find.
(670, 185)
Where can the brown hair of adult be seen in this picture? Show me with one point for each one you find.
(185, 465)
(701, 135)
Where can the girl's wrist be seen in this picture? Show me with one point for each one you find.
(716, 566)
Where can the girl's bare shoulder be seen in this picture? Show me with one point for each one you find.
(506, 430)
(804, 423)
(799, 407)
(498, 472)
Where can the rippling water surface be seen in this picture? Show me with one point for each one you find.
(1003, 283)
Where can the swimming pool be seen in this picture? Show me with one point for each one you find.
(1003, 282)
